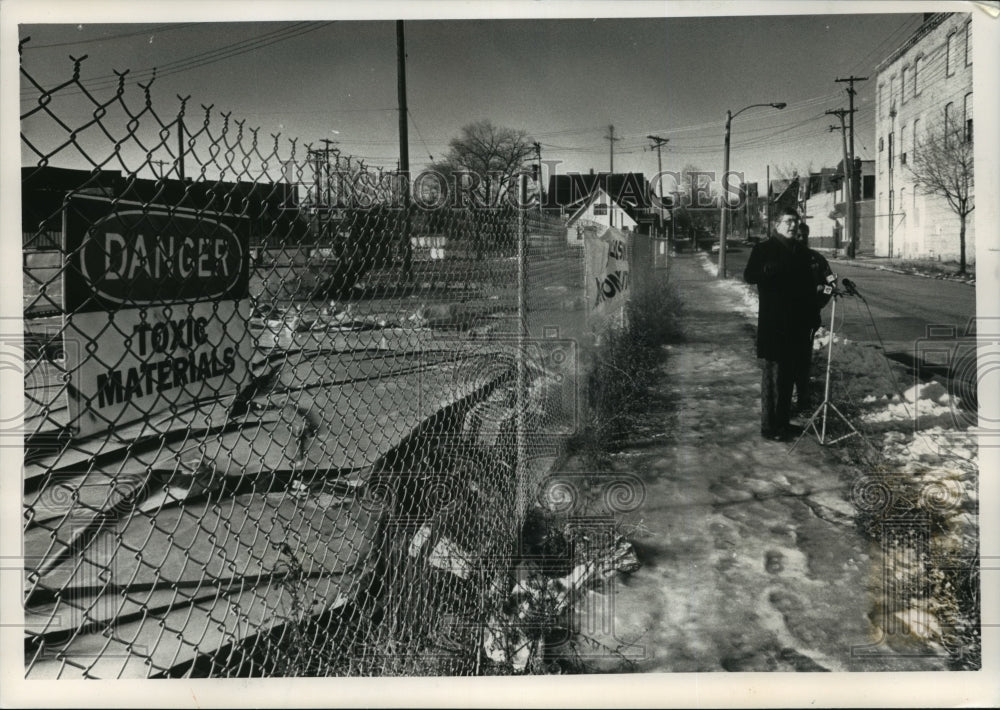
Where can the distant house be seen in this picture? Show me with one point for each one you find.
(924, 85)
(620, 200)
(784, 193)
(598, 211)
(824, 208)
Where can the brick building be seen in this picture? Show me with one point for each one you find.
(924, 85)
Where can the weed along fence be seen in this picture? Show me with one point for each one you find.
(275, 424)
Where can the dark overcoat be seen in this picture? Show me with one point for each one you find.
(789, 307)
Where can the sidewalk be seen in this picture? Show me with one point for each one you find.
(750, 557)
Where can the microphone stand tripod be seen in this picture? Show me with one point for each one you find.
(823, 410)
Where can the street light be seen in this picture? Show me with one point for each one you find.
(722, 230)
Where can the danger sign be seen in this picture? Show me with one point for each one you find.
(162, 294)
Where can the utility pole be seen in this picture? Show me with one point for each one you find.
(855, 178)
(850, 94)
(611, 138)
(848, 188)
(721, 273)
(326, 155)
(658, 142)
(315, 154)
(404, 147)
(538, 182)
(321, 158)
(611, 208)
(767, 204)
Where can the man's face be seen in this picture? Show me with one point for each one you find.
(787, 226)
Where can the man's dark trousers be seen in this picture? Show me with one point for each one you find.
(778, 379)
(803, 381)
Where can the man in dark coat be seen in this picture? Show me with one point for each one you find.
(786, 318)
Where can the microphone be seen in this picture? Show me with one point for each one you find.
(830, 287)
(850, 287)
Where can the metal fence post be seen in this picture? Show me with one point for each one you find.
(521, 469)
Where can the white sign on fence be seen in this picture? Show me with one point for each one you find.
(157, 299)
(607, 275)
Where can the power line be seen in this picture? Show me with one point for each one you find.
(419, 134)
(157, 29)
(201, 59)
(611, 140)
(676, 141)
(747, 135)
(799, 106)
(905, 30)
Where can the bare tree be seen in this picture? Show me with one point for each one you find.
(489, 156)
(697, 208)
(942, 166)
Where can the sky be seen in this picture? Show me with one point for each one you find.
(563, 81)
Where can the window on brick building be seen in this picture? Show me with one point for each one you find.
(902, 145)
(902, 86)
(967, 113)
(949, 49)
(968, 43)
(913, 143)
(918, 66)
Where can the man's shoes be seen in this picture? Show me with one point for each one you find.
(786, 433)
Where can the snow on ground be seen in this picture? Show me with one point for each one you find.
(822, 339)
(923, 401)
(746, 295)
(707, 264)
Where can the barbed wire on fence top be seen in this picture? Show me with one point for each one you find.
(272, 415)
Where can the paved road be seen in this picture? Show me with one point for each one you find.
(903, 307)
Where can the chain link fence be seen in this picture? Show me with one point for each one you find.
(280, 419)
